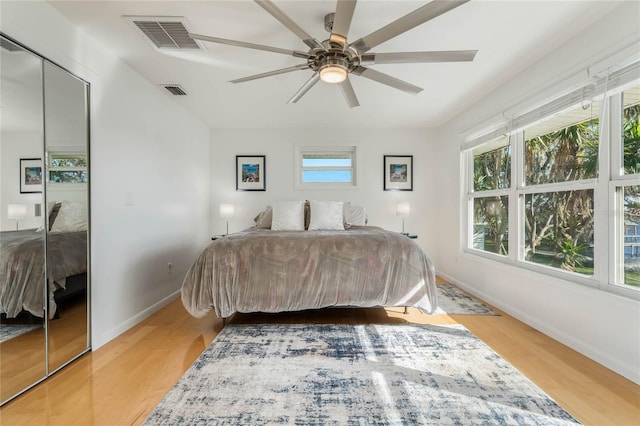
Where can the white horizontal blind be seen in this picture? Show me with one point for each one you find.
(607, 83)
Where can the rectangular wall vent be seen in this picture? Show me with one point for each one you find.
(165, 32)
(175, 89)
(9, 46)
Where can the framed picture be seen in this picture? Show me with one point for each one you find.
(398, 172)
(30, 175)
(250, 173)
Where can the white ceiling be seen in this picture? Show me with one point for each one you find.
(510, 36)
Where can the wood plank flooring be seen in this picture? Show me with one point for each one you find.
(120, 383)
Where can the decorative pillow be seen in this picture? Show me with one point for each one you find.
(71, 217)
(264, 218)
(307, 214)
(288, 216)
(54, 209)
(327, 215)
(358, 216)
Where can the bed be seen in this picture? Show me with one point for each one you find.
(22, 270)
(266, 270)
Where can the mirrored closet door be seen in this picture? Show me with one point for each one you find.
(44, 232)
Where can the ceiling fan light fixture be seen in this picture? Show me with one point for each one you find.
(333, 74)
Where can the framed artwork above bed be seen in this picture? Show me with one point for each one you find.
(30, 175)
(251, 173)
(398, 172)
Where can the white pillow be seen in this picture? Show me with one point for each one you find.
(72, 217)
(358, 216)
(327, 215)
(288, 216)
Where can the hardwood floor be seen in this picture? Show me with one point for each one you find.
(120, 383)
(23, 358)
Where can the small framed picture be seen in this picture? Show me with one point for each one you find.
(398, 172)
(250, 173)
(30, 175)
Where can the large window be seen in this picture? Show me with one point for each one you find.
(561, 195)
(560, 153)
(326, 167)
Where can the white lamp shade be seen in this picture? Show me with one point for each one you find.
(226, 210)
(403, 209)
(17, 211)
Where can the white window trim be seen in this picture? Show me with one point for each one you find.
(606, 275)
(305, 149)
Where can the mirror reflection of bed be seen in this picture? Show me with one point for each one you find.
(44, 199)
(22, 280)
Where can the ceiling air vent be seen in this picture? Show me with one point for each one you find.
(175, 89)
(9, 46)
(168, 32)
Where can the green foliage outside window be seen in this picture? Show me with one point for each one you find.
(631, 137)
(67, 168)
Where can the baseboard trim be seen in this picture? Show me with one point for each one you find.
(629, 371)
(106, 337)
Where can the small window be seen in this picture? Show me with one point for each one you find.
(326, 167)
(67, 168)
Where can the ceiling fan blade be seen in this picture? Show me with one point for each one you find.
(342, 21)
(419, 57)
(275, 11)
(304, 89)
(270, 73)
(405, 23)
(349, 94)
(296, 53)
(383, 78)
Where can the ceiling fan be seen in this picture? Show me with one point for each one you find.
(332, 60)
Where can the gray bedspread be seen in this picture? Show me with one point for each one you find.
(259, 270)
(22, 268)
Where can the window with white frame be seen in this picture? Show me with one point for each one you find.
(67, 168)
(326, 167)
(539, 196)
(560, 167)
(491, 180)
(626, 197)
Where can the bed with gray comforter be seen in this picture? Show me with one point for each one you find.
(22, 268)
(260, 270)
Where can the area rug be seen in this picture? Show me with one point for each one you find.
(11, 331)
(453, 301)
(353, 375)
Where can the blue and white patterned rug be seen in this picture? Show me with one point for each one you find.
(453, 301)
(353, 375)
(11, 331)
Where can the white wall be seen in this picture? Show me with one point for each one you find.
(149, 174)
(603, 326)
(279, 146)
